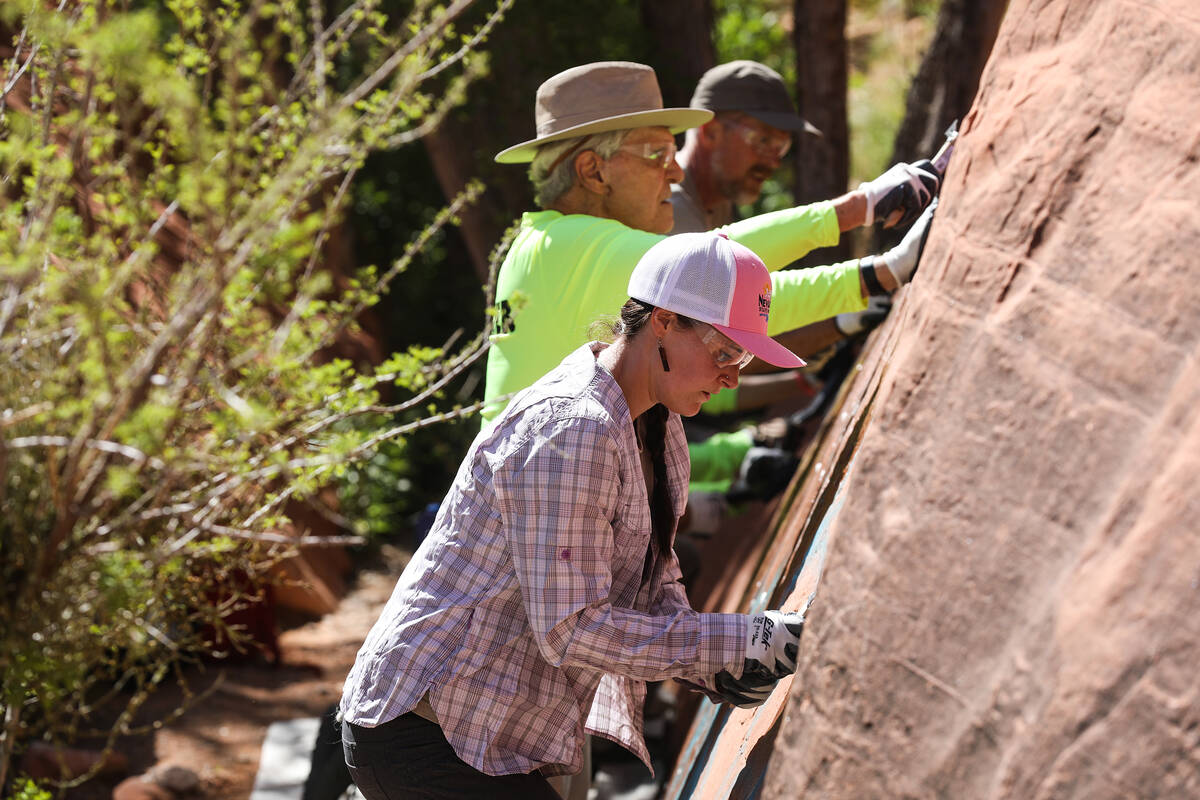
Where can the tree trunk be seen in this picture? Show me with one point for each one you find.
(945, 84)
(462, 148)
(453, 161)
(822, 162)
(680, 33)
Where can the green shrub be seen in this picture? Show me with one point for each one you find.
(170, 178)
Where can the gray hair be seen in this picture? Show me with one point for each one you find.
(552, 172)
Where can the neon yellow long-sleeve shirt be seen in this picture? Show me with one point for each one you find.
(565, 272)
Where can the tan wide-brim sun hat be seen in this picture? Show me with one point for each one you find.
(597, 98)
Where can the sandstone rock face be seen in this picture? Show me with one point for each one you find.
(1011, 602)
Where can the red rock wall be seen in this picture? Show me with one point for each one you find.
(1011, 603)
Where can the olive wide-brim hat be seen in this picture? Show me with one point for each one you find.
(597, 98)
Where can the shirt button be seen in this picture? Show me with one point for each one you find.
(566, 554)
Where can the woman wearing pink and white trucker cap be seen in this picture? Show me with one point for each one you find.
(710, 278)
(547, 592)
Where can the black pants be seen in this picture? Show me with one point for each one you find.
(409, 757)
(328, 778)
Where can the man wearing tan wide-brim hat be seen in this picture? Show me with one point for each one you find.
(597, 98)
(602, 162)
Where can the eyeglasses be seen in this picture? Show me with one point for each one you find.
(656, 152)
(765, 144)
(725, 351)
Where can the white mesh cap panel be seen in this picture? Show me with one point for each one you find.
(689, 273)
(706, 291)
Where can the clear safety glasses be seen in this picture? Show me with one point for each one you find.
(766, 145)
(656, 153)
(725, 351)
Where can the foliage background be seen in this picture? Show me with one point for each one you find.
(187, 368)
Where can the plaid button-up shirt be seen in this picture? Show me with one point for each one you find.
(527, 613)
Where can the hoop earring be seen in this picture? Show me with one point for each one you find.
(662, 354)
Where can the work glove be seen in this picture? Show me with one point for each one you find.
(747, 691)
(763, 473)
(902, 259)
(907, 188)
(772, 642)
(853, 322)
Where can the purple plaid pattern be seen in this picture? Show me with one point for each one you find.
(524, 613)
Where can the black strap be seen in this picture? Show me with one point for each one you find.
(866, 267)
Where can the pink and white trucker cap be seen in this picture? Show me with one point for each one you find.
(711, 278)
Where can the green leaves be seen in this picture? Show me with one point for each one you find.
(754, 29)
(26, 789)
(173, 176)
(118, 46)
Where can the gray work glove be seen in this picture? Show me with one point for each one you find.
(772, 642)
(748, 691)
(907, 188)
(853, 322)
(902, 259)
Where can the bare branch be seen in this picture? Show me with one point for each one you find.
(304, 298)
(10, 417)
(344, 26)
(464, 198)
(396, 59)
(116, 448)
(278, 538)
(316, 8)
(15, 73)
(473, 42)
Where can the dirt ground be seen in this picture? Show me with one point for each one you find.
(219, 738)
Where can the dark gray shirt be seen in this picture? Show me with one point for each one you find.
(690, 214)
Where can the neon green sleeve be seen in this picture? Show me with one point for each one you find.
(803, 296)
(716, 460)
(781, 237)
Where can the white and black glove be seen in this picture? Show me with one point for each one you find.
(852, 322)
(772, 641)
(748, 691)
(906, 188)
(902, 259)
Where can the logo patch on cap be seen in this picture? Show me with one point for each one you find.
(764, 300)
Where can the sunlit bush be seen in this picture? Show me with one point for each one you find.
(169, 178)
